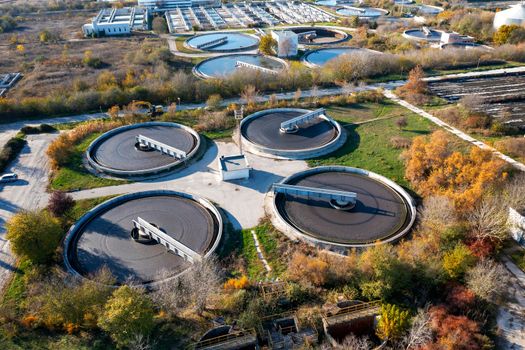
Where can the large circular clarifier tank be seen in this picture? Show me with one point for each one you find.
(117, 153)
(261, 134)
(361, 12)
(318, 58)
(102, 238)
(383, 212)
(420, 34)
(334, 3)
(323, 35)
(222, 66)
(223, 42)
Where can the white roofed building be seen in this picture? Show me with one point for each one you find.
(111, 22)
(160, 5)
(287, 43)
(514, 15)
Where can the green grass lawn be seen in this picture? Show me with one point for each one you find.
(268, 239)
(74, 176)
(368, 145)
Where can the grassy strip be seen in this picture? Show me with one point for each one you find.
(268, 239)
(368, 145)
(74, 176)
(254, 267)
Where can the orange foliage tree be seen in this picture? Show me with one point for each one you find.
(307, 269)
(434, 169)
(455, 332)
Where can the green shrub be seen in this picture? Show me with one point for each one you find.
(10, 151)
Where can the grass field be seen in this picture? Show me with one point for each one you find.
(368, 145)
(74, 176)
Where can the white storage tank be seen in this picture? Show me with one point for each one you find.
(514, 15)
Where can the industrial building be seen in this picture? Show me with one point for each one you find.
(514, 15)
(287, 43)
(111, 22)
(162, 5)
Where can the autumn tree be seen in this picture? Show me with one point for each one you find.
(34, 235)
(416, 88)
(60, 203)
(393, 322)
(306, 269)
(456, 332)
(69, 303)
(488, 219)
(434, 169)
(437, 213)
(509, 34)
(420, 332)
(114, 111)
(159, 25)
(214, 101)
(487, 280)
(192, 290)
(457, 261)
(249, 94)
(128, 313)
(267, 44)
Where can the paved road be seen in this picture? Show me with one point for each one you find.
(29, 192)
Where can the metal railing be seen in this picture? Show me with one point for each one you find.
(313, 192)
(372, 305)
(169, 242)
(213, 43)
(223, 338)
(255, 67)
(302, 119)
(161, 147)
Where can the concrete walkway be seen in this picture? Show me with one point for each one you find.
(241, 200)
(511, 315)
(477, 74)
(518, 165)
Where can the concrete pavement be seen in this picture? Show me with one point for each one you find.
(241, 200)
(29, 192)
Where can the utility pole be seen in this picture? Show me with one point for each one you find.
(239, 115)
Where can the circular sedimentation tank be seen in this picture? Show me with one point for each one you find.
(383, 212)
(261, 134)
(429, 9)
(222, 66)
(361, 12)
(464, 46)
(318, 58)
(334, 3)
(420, 34)
(117, 152)
(323, 35)
(102, 237)
(223, 42)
